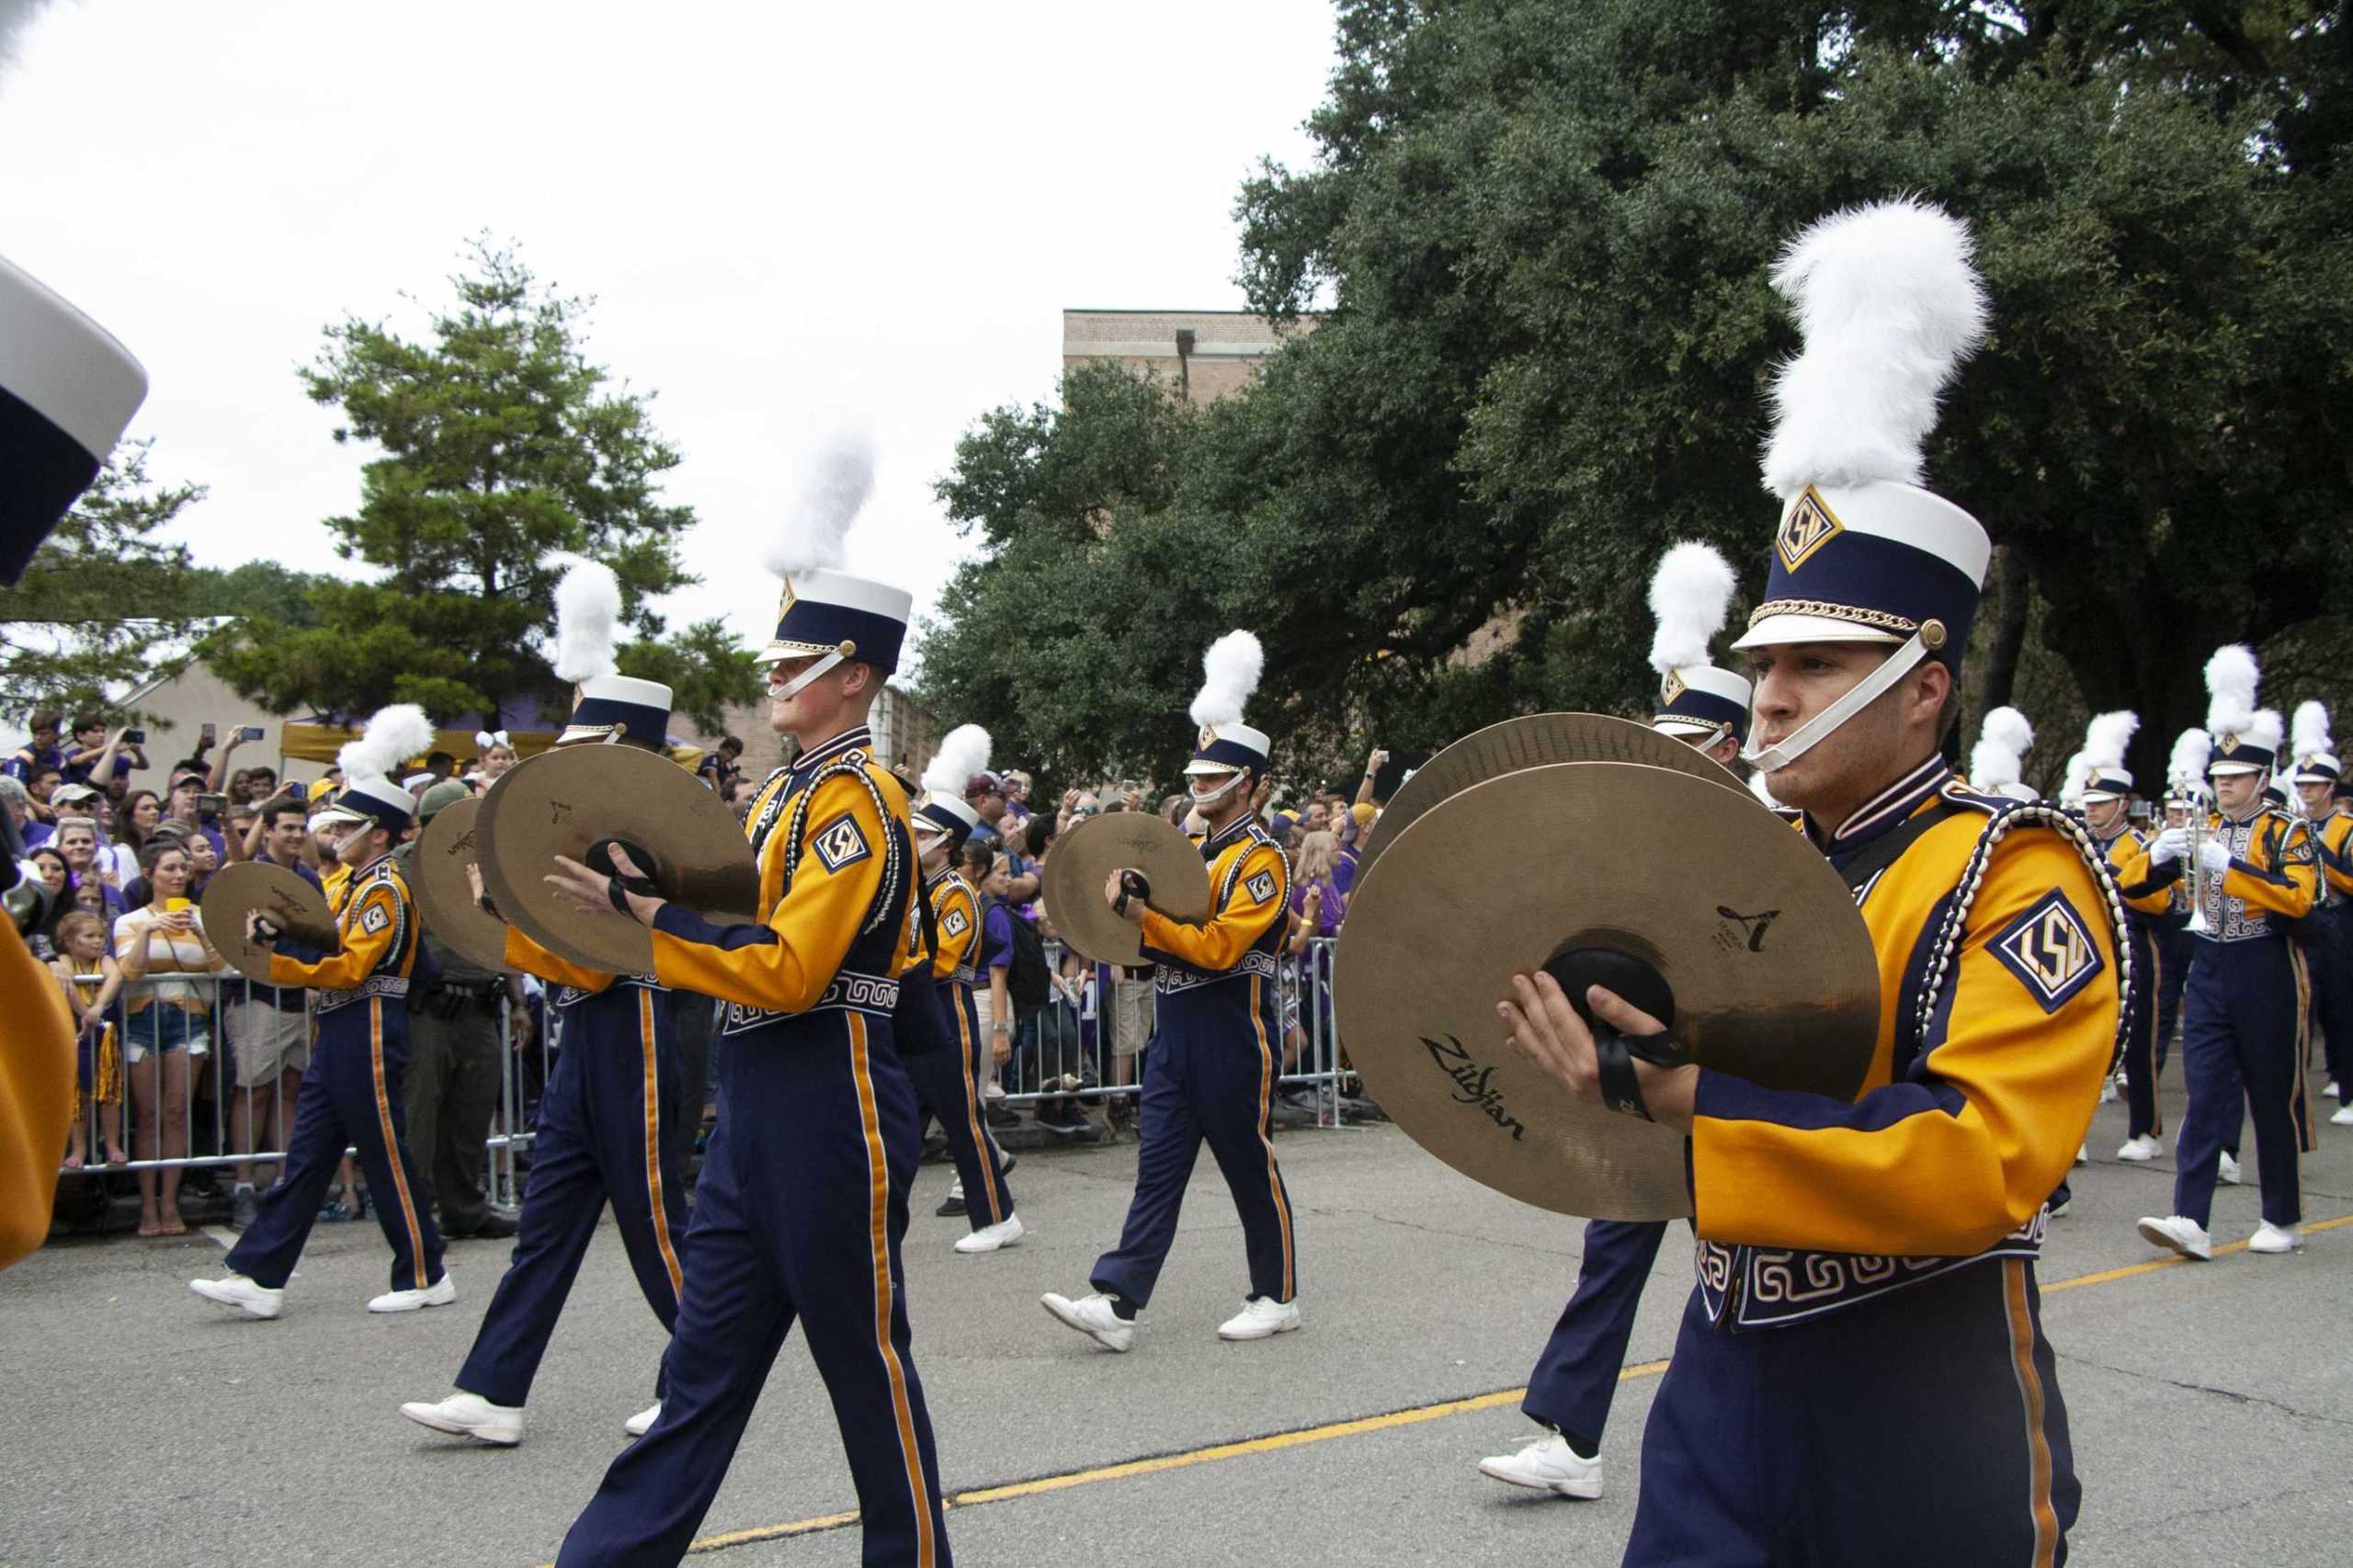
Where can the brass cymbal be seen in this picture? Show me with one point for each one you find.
(292, 905)
(1084, 857)
(1533, 740)
(1767, 959)
(572, 797)
(444, 897)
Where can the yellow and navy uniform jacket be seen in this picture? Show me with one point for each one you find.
(2333, 840)
(377, 931)
(956, 921)
(2002, 982)
(2273, 882)
(37, 1088)
(335, 883)
(2146, 888)
(1249, 895)
(837, 868)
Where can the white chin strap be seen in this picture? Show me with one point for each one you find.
(794, 687)
(1820, 728)
(1203, 802)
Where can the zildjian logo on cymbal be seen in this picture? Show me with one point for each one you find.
(1473, 1084)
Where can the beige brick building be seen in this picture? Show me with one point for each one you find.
(1200, 354)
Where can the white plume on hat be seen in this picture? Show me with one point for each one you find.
(15, 18)
(2266, 731)
(1232, 666)
(963, 752)
(391, 737)
(587, 609)
(2186, 767)
(2230, 679)
(1890, 306)
(830, 493)
(2001, 748)
(2310, 730)
(1690, 593)
(2105, 739)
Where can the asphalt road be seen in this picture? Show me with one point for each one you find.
(2211, 1405)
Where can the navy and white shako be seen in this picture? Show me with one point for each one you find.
(606, 705)
(1890, 306)
(1224, 744)
(941, 810)
(1690, 593)
(828, 614)
(2245, 740)
(2314, 752)
(394, 735)
(67, 391)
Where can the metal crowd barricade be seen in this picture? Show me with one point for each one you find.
(1065, 1040)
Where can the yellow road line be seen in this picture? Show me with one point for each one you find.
(1277, 1441)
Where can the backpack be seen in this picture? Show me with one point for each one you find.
(1025, 980)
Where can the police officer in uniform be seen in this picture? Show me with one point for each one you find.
(351, 1091)
(2257, 872)
(2320, 785)
(1209, 1071)
(1861, 1375)
(802, 1199)
(1575, 1379)
(2106, 793)
(608, 1129)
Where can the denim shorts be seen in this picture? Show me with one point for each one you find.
(166, 1026)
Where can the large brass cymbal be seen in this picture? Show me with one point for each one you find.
(293, 906)
(565, 799)
(444, 897)
(1533, 740)
(1085, 857)
(1769, 961)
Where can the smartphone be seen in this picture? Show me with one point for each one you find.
(134, 737)
(209, 733)
(248, 734)
(211, 805)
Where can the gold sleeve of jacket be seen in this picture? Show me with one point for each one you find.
(1233, 929)
(785, 964)
(361, 950)
(954, 897)
(2282, 874)
(36, 1096)
(2128, 860)
(526, 955)
(2335, 837)
(1964, 1147)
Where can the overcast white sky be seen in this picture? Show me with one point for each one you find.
(792, 217)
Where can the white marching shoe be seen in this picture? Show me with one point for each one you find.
(2144, 1147)
(2226, 1169)
(440, 1293)
(1261, 1317)
(466, 1415)
(988, 1238)
(1548, 1465)
(1092, 1316)
(236, 1291)
(2083, 1154)
(2344, 1117)
(2107, 1088)
(2272, 1238)
(638, 1424)
(2175, 1233)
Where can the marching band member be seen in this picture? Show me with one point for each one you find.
(2241, 1027)
(608, 1128)
(1575, 1379)
(351, 1090)
(1210, 1074)
(947, 1081)
(1866, 1304)
(2320, 785)
(2105, 790)
(802, 1201)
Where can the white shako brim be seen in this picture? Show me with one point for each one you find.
(2220, 769)
(1785, 631)
(1717, 682)
(1688, 728)
(2096, 797)
(65, 366)
(1208, 769)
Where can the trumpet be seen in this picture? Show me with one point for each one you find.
(2195, 876)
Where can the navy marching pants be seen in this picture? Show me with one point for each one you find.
(1924, 1427)
(1577, 1376)
(2143, 1114)
(1204, 1079)
(2175, 947)
(350, 1097)
(2330, 959)
(608, 1130)
(947, 1085)
(2239, 1049)
(798, 1218)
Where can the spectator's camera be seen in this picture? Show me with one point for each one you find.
(248, 732)
(213, 805)
(134, 737)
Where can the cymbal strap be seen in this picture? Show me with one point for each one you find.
(1622, 1090)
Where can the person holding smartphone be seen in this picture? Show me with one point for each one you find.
(216, 780)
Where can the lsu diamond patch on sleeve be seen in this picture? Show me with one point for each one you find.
(1261, 887)
(373, 919)
(955, 924)
(840, 843)
(2050, 949)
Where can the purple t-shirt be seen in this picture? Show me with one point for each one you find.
(996, 938)
(1328, 915)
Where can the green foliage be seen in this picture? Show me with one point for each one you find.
(1537, 236)
(105, 603)
(706, 668)
(502, 448)
(257, 588)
